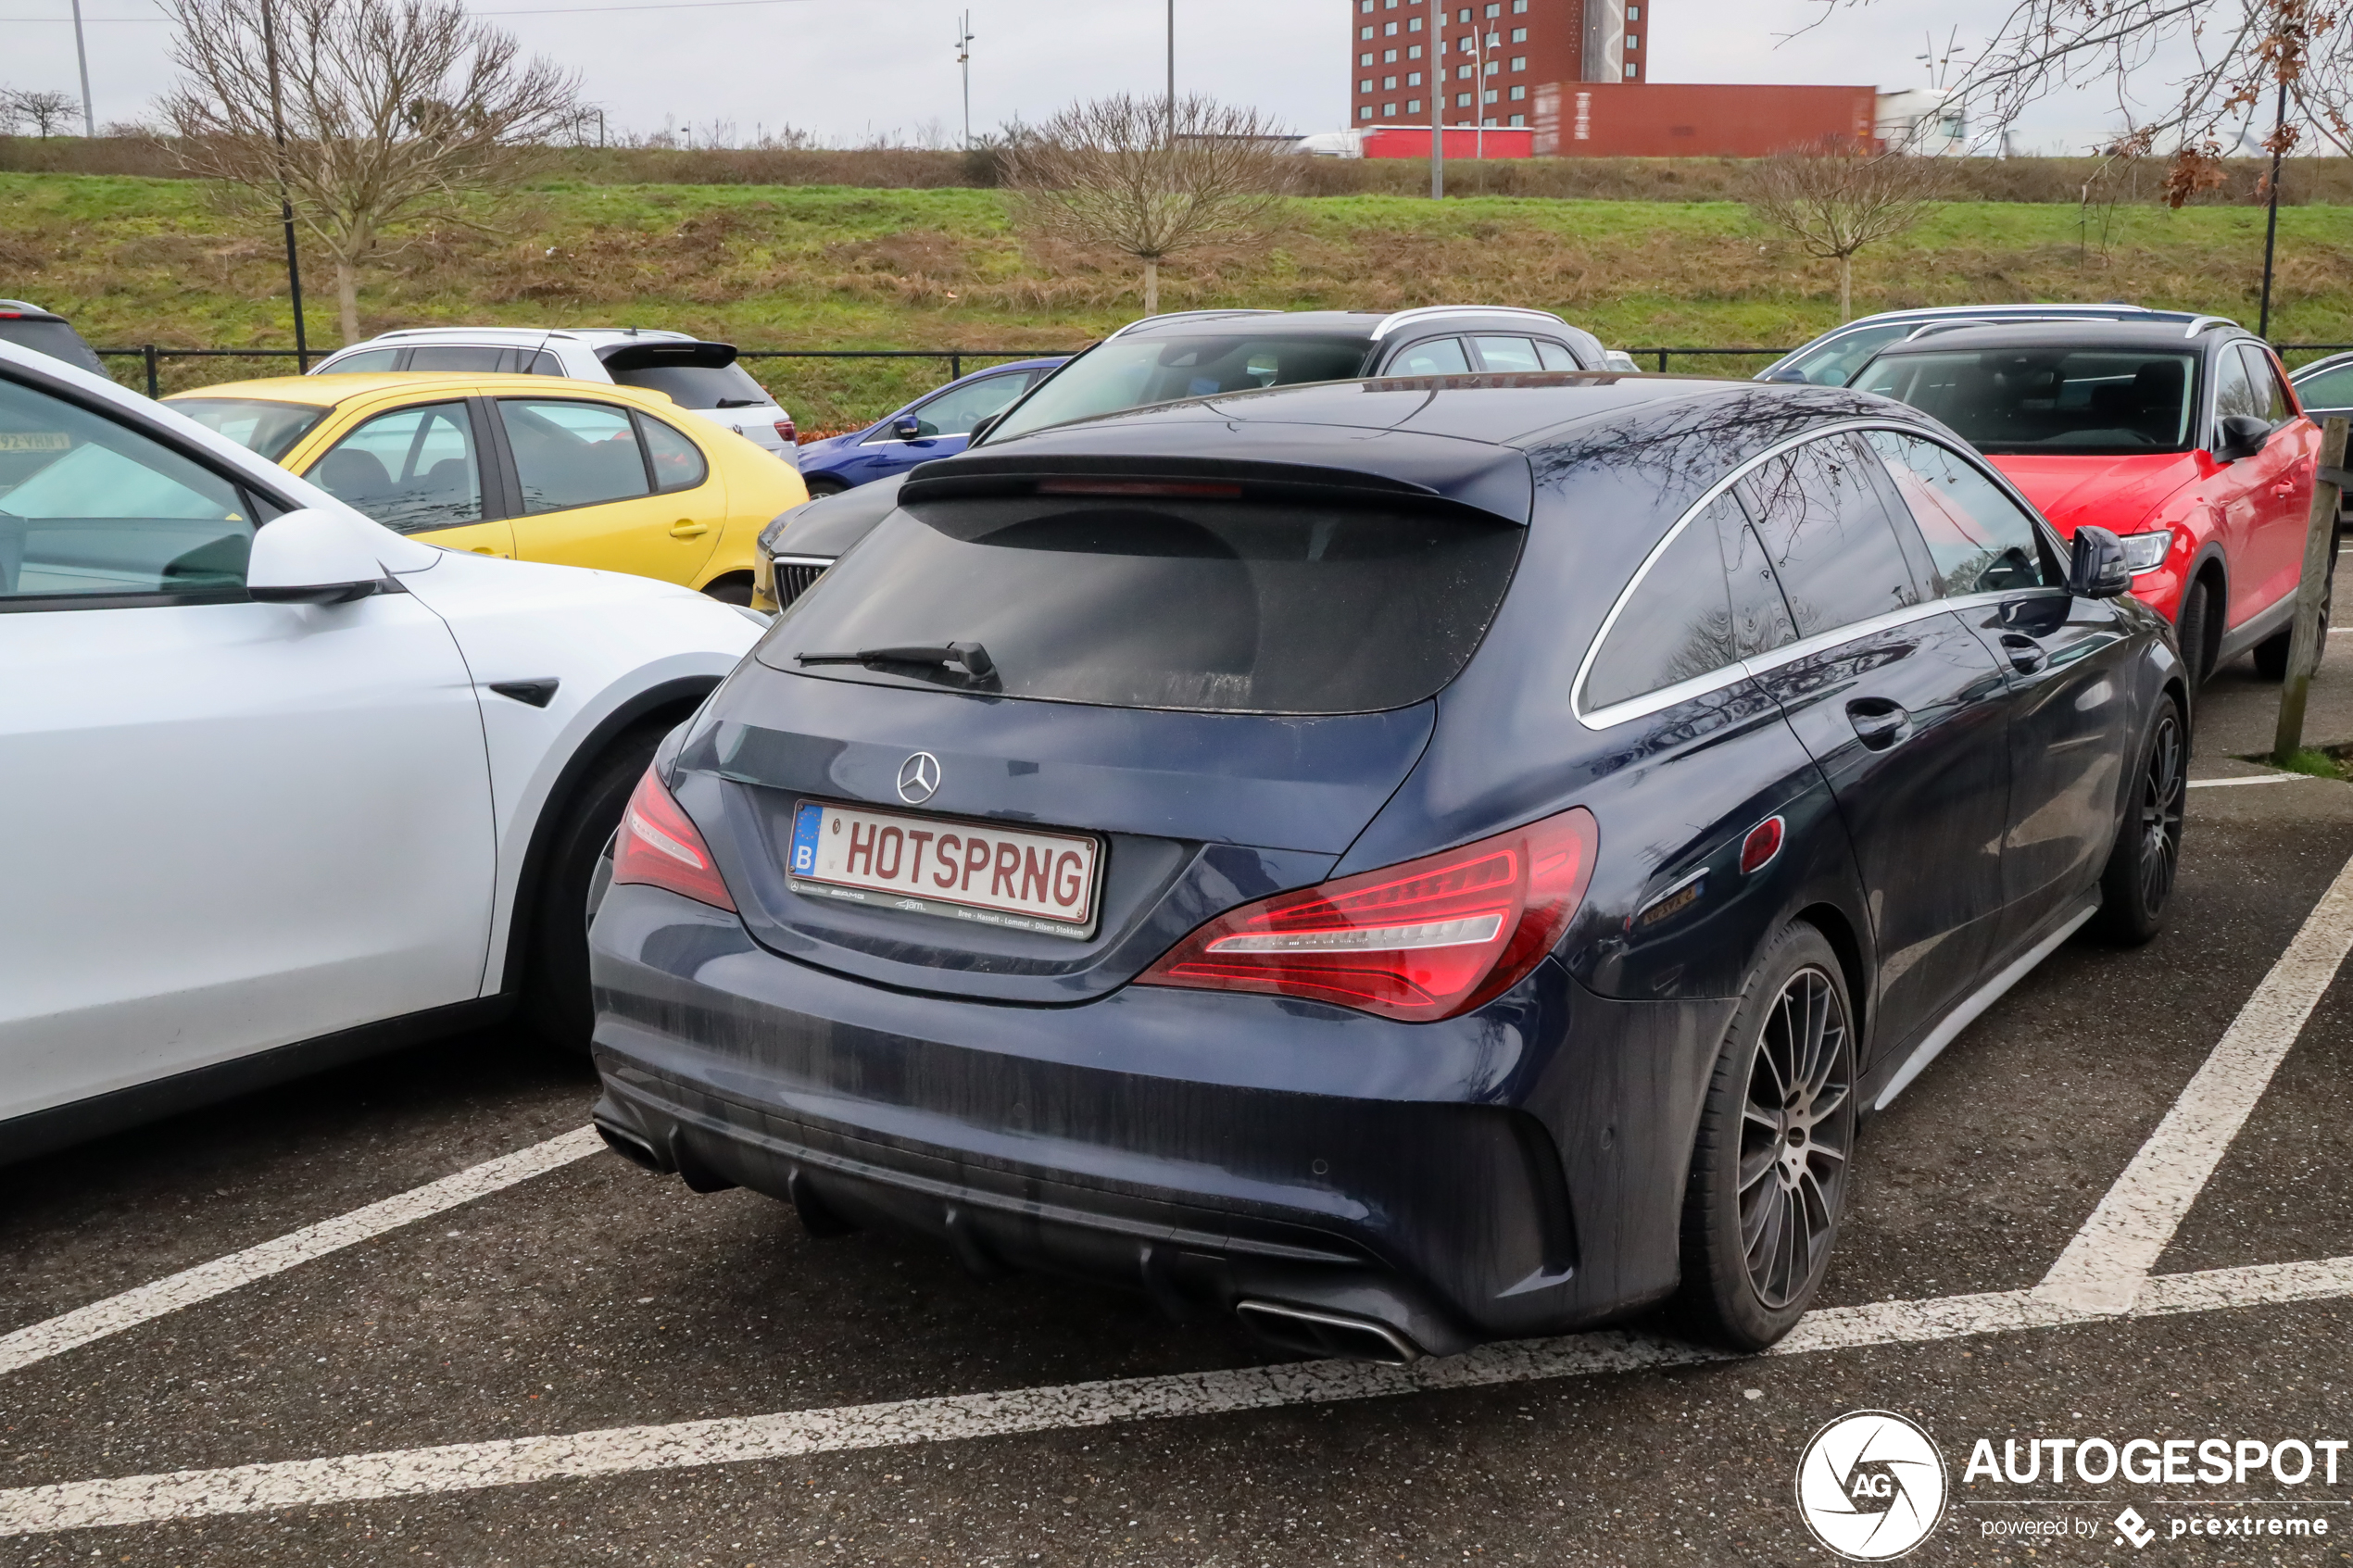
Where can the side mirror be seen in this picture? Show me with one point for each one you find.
(2242, 436)
(312, 557)
(2098, 570)
(980, 431)
(907, 428)
(1785, 375)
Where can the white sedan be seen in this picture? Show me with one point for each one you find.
(285, 786)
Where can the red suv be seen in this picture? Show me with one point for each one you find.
(2186, 442)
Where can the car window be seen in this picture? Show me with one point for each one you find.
(1554, 356)
(543, 364)
(572, 454)
(56, 339)
(254, 423)
(1676, 625)
(1979, 540)
(678, 463)
(1132, 372)
(955, 412)
(454, 357)
(2330, 389)
(95, 510)
(411, 469)
(365, 361)
(1439, 356)
(1834, 363)
(2277, 409)
(1831, 542)
(1508, 354)
(2234, 390)
(2080, 402)
(697, 386)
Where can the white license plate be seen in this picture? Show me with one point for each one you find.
(977, 872)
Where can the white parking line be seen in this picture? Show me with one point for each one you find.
(2255, 778)
(2105, 1266)
(460, 1467)
(60, 1334)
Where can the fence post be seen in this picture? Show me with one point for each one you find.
(155, 384)
(955, 366)
(1662, 361)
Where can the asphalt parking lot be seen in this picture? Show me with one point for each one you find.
(2120, 1207)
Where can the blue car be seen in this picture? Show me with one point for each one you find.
(938, 424)
(1399, 863)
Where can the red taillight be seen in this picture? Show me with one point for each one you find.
(657, 846)
(1763, 841)
(790, 431)
(1424, 940)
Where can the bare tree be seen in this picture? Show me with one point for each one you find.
(394, 112)
(47, 112)
(1835, 200)
(1149, 179)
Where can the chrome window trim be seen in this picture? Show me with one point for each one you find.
(1747, 668)
(1390, 323)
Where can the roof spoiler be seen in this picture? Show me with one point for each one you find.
(645, 355)
(1496, 489)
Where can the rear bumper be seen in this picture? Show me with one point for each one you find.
(1212, 1151)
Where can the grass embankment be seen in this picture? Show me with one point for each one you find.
(141, 261)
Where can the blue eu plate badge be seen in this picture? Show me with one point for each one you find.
(804, 837)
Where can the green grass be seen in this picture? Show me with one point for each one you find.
(138, 260)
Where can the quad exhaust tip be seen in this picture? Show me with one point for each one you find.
(1329, 1335)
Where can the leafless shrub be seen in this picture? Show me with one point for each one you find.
(47, 112)
(1835, 200)
(395, 110)
(1148, 178)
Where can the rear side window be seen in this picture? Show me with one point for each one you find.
(2330, 389)
(571, 454)
(56, 339)
(1827, 537)
(697, 386)
(1439, 356)
(955, 413)
(677, 462)
(92, 509)
(1508, 354)
(1210, 606)
(455, 356)
(1978, 539)
(1835, 362)
(1678, 623)
(1554, 356)
(365, 362)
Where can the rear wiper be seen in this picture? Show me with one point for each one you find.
(971, 657)
(741, 403)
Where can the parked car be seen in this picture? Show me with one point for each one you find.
(2325, 388)
(45, 332)
(1405, 862)
(2183, 440)
(548, 470)
(306, 788)
(1196, 353)
(701, 376)
(1834, 358)
(938, 424)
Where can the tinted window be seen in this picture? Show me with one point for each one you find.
(1132, 372)
(1508, 354)
(411, 469)
(1761, 620)
(2050, 399)
(271, 428)
(366, 360)
(1827, 537)
(89, 507)
(678, 462)
(2330, 389)
(1835, 362)
(572, 454)
(698, 386)
(2234, 390)
(1676, 625)
(2268, 390)
(1554, 355)
(56, 339)
(454, 357)
(955, 413)
(543, 364)
(1439, 356)
(1226, 606)
(1981, 541)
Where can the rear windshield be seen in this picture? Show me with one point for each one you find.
(271, 428)
(1132, 372)
(2102, 402)
(697, 386)
(1226, 606)
(52, 338)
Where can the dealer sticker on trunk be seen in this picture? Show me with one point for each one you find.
(979, 871)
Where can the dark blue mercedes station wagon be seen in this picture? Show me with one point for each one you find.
(1406, 862)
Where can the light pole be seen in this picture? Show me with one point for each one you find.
(285, 205)
(964, 62)
(1171, 72)
(81, 53)
(1437, 104)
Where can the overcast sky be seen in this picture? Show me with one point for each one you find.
(849, 70)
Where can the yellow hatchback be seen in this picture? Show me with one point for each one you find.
(532, 467)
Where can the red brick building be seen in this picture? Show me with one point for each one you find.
(1489, 58)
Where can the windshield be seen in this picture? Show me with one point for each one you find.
(271, 428)
(1133, 372)
(697, 386)
(1232, 607)
(2093, 402)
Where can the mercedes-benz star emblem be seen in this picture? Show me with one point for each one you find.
(919, 778)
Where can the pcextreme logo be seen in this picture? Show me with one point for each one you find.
(1871, 1485)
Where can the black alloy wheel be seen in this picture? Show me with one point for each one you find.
(1768, 1186)
(2138, 882)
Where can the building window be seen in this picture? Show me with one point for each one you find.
(1462, 100)
(1414, 26)
(1519, 119)
(1388, 57)
(1494, 67)
(1495, 10)
(1412, 79)
(1366, 85)
(1519, 95)
(1366, 58)
(1491, 96)
(1519, 63)
(1494, 41)
(1366, 32)
(1367, 112)
(1414, 53)
(1519, 35)
(1390, 110)
(1389, 82)
(1389, 29)
(1632, 42)
(1519, 8)
(1633, 13)
(1465, 16)
(1632, 69)
(1413, 106)
(1366, 6)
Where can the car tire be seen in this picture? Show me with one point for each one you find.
(2270, 653)
(2137, 883)
(2191, 632)
(729, 590)
(1768, 1186)
(556, 1000)
(823, 485)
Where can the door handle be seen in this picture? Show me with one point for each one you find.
(1878, 722)
(487, 550)
(687, 528)
(2026, 655)
(2284, 489)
